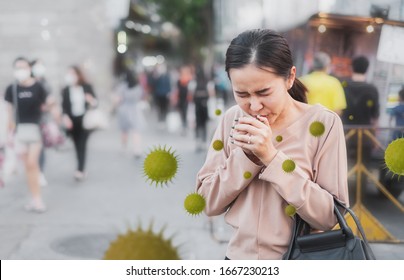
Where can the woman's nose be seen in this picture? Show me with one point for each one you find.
(255, 104)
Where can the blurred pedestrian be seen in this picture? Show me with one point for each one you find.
(362, 106)
(222, 83)
(26, 98)
(322, 87)
(130, 120)
(184, 95)
(200, 97)
(272, 155)
(161, 86)
(397, 113)
(77, 97)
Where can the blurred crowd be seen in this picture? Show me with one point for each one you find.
(35, 117)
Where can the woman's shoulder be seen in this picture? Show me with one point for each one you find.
(322, 113)
(320, 120)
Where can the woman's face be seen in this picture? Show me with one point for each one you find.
(71, 78)
(261, 92)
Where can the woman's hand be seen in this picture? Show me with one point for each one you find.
(91, 100)
(254, 137)
(67, 122)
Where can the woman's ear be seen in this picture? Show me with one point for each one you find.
(292, 77)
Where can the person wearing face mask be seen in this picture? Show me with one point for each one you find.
(77, 97)
(272, 155)
(27, 99)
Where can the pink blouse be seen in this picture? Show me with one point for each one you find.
(255, 205)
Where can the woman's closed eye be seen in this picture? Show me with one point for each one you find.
(242, 94)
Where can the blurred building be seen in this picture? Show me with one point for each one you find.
(142, 39)
(342, 28)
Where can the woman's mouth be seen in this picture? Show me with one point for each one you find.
(262, 116)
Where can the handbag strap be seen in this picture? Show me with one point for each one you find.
(358, 225)
(299, 224)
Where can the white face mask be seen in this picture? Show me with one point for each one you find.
(70, 79)
(22, 74)
(38, 70)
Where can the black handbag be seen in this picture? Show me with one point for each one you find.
(340, 244)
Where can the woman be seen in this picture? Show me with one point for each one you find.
(27, 99)
(77, 97)
(277, 151)
(130, 119)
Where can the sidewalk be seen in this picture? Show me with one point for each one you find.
(84, 217)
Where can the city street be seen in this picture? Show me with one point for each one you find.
(83, 217)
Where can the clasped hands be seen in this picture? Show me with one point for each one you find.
(254, 136)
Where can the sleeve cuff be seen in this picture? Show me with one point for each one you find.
(287, 178)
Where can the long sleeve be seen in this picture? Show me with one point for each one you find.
(66, 102)
(226, 172)
(313, 197)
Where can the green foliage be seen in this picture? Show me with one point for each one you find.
(192, 17)
(141, 245)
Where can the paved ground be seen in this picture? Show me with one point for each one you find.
(84, 217)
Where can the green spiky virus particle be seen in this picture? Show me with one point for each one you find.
(247, 175)
(369, 103)
(141, 245)
(217, 145)
(290, 210)
(279, 138)
(394, 156)
(288, 166)
(160, 166)
(194, 203)
(218, 112)
(317, 129)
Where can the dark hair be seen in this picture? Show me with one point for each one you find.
(130, 78)
(264, 48)
(401, 94)
(80, 76)
(360, 64)
(21, 58)
(33, 62)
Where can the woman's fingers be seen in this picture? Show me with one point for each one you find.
(263, 120)
(242, 128)
(249, 125)
(243, 138)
